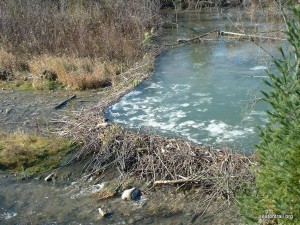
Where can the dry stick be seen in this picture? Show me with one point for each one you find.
(64, 102)
(162, 162)
(175, 181)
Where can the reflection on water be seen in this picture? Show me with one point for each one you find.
(201, 92)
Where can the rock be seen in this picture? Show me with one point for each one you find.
(131, 194)
(49, 177)
(136, 194)
(102, 212)
(127, 194)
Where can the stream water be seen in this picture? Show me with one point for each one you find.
(200, 92)
(203, 92)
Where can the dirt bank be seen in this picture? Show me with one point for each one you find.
(29, 111)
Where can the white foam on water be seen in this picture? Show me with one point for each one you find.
(187, 123)
(194, 140)
(259, 68)
(168, 126)
(205, 100)
(137, 118)
(180, 87)
(156, 100)
(198, 125)
(115, 114)
(159, 125)
(132, 94)
(175, 114)
(226, 133)
(185, 104)
(200, 94)
(154, 86)
(202, 110)
(191, 124)
(126, 108)
(116, 107)
(180, 114)
(233, 134)
(216, 127)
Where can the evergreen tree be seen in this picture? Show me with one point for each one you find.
(277, 176)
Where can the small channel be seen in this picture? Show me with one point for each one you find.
(203, 92)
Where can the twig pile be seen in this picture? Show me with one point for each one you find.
(154, 158)
(159, 159)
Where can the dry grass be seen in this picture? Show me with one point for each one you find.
(78, 73)
(7, 60)
(86, 43)
(31, 153)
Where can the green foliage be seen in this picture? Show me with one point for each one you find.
(277, 177)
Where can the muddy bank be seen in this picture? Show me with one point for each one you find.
(30, 111)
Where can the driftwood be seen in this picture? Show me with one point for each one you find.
(222, 33)
(64, 102)
(198, 38)
(247, 36)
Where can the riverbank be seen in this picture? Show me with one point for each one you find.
(180, 182)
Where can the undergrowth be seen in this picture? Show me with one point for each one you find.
(87, 44)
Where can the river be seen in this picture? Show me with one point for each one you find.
(204, 92)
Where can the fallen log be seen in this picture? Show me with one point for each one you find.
(198, 38)
(64, 102)
(222, 33)
(248, 36)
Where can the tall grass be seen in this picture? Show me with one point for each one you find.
(100, 30)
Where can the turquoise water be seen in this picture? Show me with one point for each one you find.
(203, 92)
